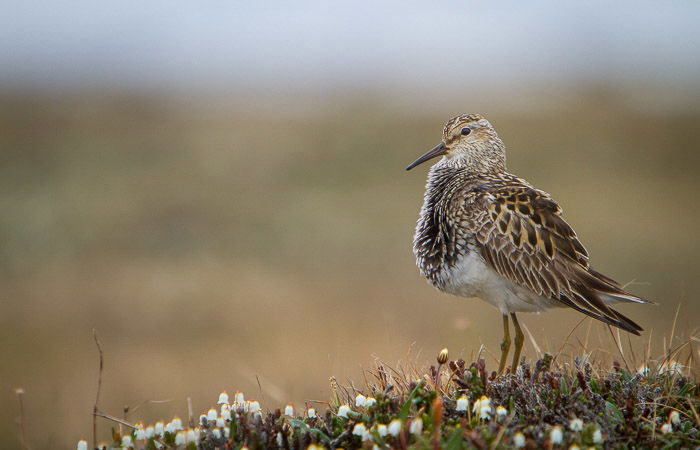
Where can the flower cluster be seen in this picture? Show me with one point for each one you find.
(213, 426)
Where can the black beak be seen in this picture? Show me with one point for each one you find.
(439, 150)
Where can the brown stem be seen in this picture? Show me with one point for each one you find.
(95, 411)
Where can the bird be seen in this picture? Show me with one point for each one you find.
(484, 232)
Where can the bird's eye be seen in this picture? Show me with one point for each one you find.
(466, 131)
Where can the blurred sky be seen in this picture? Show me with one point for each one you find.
(283, 45)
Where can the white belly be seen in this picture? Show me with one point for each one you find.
(472, 277)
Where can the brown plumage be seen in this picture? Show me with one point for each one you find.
(484, 232)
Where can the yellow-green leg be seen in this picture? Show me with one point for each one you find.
(505, 345)
(519, 339)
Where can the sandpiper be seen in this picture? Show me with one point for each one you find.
(483, 232)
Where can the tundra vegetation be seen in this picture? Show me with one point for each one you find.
(455, 405)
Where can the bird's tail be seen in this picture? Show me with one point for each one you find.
(591, 292)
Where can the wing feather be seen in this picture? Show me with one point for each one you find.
(524, 238)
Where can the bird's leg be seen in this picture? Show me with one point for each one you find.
(505, 345)
(519, 339)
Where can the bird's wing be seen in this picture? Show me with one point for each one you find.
(523, 237)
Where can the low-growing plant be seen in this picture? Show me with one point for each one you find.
(541, 405)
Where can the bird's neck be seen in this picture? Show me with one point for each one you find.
(480, 157)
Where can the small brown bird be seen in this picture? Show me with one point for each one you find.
(483, 232)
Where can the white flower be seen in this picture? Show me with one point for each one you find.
(485, 412)
(501, 411)
(289, 410)
(371, 401)
(202, 419)
(126, 441)
(360, 400)
(556, 435)
(140, 433)
(159, 429)
(462, 403)
(666, 428)
(674, 417)
(225, 415)
(227, 432)
(169, 428)
(311, 413)
(82, 445)
(280, 440)
(359, 430)
(382, 430)
(518, 440)
(191, 436)
(254, 406)
(483, 407)
(212, 415)
(216, 433)
(177, 424)
(416, 426)
(343, 411)
(395, 427)
(223, 398)
(150, 432)
(225, 407)
(576, 424)
(220, 422)
(239, 398)
(597, 436)
(180, 438)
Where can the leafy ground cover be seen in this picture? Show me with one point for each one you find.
(457, 405)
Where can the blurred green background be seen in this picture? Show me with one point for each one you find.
(217, 233)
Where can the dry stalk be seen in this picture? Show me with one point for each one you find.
(99, 388)
(21, 420)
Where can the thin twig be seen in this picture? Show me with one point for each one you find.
(566, 341)
(23, 433)
(502, 431)
(114, 419)
(532, 340)
(189, 412)
(619, 347)
(673, 327)
(262, 394)
(99, 388)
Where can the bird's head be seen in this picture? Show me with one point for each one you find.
(468, 141)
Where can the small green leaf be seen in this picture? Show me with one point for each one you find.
(594, 386)
(298, 424)
(406, 408)
(562, 383)
(612, 410)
